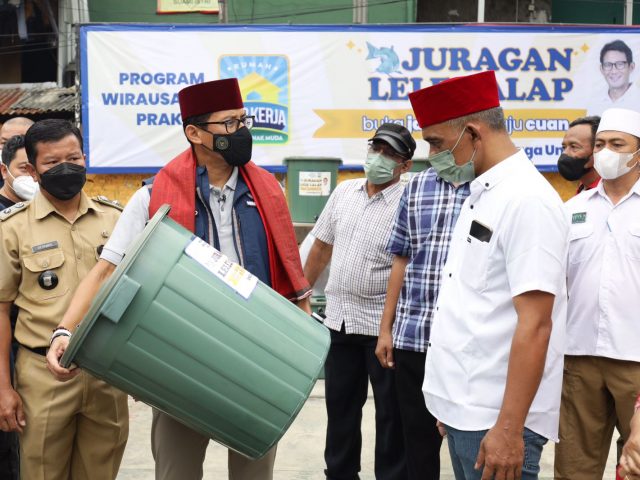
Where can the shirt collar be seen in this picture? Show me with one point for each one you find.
(231, 183)
(387, 194)
(361, 185)
(600, 191)
(44, 207)
(499, 172)
(582, 187)
(636, 187)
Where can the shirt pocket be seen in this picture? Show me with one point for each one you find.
(475, 261)
(581, 244)
(36, 265)
(633, 243)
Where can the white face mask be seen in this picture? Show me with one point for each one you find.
(611, 165)
(24, 186)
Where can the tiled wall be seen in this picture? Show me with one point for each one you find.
(121, 187)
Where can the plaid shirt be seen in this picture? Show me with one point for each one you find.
(428, 211)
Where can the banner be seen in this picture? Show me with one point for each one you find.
(186, 6)
(323, 90)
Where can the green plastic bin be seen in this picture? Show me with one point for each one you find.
(420, 164)
(310, 181)
(319, 304)
(172, 334)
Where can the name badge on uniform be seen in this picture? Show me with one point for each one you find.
(44, 246)
(579, 217)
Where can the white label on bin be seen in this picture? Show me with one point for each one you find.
(314, 184)
(229, 272)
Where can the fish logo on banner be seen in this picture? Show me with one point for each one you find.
(389, 61)
(264, 82)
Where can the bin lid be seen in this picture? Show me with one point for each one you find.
(98, 302)
(312, 159)
(318, 300)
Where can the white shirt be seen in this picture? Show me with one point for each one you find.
(466, 367)
(630, 99)
(136, 215)
(603, 275)
(358, 227)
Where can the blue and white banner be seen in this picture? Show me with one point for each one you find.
(323, 90)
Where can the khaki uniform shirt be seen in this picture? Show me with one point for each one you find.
(37, 239)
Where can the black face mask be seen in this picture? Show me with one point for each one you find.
(234, 147)
(64, 181)
(572, 168)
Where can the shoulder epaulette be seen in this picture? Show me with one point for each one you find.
(12, 210)
(101, 199)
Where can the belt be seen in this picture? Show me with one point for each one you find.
(37, 350)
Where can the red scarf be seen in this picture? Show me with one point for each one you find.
(175, 184)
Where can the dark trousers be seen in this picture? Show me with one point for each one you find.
(9, 446)
(9, 456)
(351, 362)
(421, 437)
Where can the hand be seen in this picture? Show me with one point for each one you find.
(11, 412)
(384, 350)
(630, 459)
(304, 305)
(501, 453)
(54, 354)
(441, 428)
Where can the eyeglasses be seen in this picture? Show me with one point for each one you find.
(387, 151)
(233, 124)
(607, 66)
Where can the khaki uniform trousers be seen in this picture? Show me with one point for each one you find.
(179, 453)
(76, 430)
(597, 394)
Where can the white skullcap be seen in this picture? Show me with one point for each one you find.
(620, 120)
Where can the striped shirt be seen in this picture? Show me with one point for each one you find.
(358, 227)
(428, 211)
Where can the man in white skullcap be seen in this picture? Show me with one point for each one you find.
(602, 358)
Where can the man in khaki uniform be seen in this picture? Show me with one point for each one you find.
(77, 430)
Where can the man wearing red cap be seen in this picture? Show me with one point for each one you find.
(493, 372)
(216, 192)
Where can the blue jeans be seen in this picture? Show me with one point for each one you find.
(464, 448)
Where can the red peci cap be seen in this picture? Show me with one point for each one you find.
(209, 97)
(455, 97)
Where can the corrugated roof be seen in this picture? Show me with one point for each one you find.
(36, 100)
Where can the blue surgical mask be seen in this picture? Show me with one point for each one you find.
(445, 165)
(379, 169)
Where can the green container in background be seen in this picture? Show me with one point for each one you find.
(310, 181)
(420, 164)
(319, 304)
(171, 333)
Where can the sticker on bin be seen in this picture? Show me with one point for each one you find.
(315, 184)
(230, 273)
